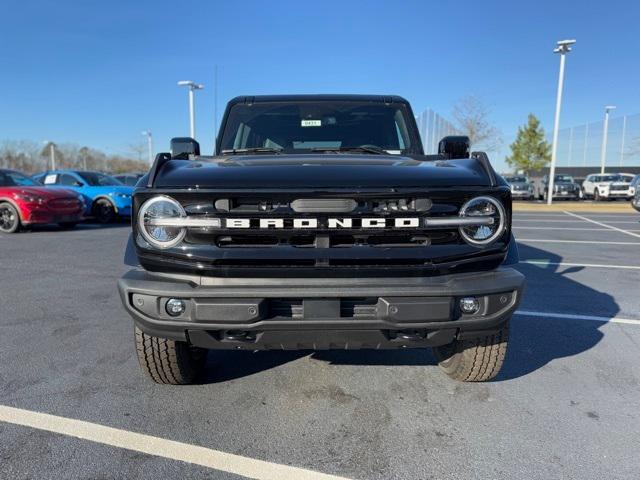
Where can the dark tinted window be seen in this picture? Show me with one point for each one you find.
(15, 179)
(609, 178)
(563, 178)
(516, 179)
(96, 179)
(302, 126)
(68, 180)
(129, 180)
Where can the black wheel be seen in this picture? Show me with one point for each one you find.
(168, 361)
(596, 195)
(104, 211)
(544, 196)
(68, 225)
(475, 359)
(9, 218)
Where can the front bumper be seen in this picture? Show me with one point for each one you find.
(521, 194)
(320, 313)
(46, 216)
(573, 195)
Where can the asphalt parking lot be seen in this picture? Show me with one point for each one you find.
(564, 406)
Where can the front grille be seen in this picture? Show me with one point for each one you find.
(320, 249)
(70, 204)
(618, 188)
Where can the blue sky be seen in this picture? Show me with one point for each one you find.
(97, 73)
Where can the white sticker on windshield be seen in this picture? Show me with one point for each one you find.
(311, 123)
(50, 179)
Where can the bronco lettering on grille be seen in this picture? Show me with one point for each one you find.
(314, 223)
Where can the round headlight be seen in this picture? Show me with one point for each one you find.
(483, 208)
(154, 222)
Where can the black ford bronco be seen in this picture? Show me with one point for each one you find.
(320, 223)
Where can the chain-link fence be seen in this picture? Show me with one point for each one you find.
(433, 127)
(581, 146)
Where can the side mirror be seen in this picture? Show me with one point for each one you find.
(456, 146)
(183, 147)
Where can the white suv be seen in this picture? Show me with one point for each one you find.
(608, 185)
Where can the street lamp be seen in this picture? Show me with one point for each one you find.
(564, 47)
(192, 114)
(52, 153)
(605, 133)
(147, 133)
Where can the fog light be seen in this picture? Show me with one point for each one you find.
(175, 307)
(469, 305)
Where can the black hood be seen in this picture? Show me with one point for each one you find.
(328, 170)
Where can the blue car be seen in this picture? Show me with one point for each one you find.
(105, 197)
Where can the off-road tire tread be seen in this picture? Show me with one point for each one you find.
(167, 361)
(475, 359)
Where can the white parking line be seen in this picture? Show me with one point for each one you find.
(567, 316)
(564, 228)
(586, 265)
(561, 215)
(543, 240)
(160, 447)
(553, 220)
(605, 225)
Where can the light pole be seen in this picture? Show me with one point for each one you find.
(52, 153)
(147, 133)
(564, 47)
(605, 133)
(192, 114)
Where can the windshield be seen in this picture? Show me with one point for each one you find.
(625, 178)
(610, 178)
(313, 125)
(15, 179)
(563, 178)
(96, 179)
(516, 179)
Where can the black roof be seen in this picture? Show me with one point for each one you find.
(318, 97)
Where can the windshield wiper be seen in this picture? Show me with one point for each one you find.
(362, 148)
(252, 150)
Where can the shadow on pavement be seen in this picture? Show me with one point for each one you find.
(534, 341)
(84, 225)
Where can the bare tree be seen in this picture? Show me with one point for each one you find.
(138, 150)
(29, 157)
(471, 117)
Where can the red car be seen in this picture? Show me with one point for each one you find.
(25, 202)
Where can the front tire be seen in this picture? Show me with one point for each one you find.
(475, 359)
(9, 218)
(596, 195)
(104, 211)
(168, 361)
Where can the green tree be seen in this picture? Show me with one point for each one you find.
(530, 152)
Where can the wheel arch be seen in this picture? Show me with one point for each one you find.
(14, 205)
(104, 197)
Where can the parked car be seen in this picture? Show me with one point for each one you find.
(608, 186)
(521, 187)
(129, 179)
(564, 186)
(25, 202)
(105, 197)
(324, 226)
(635, 186)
